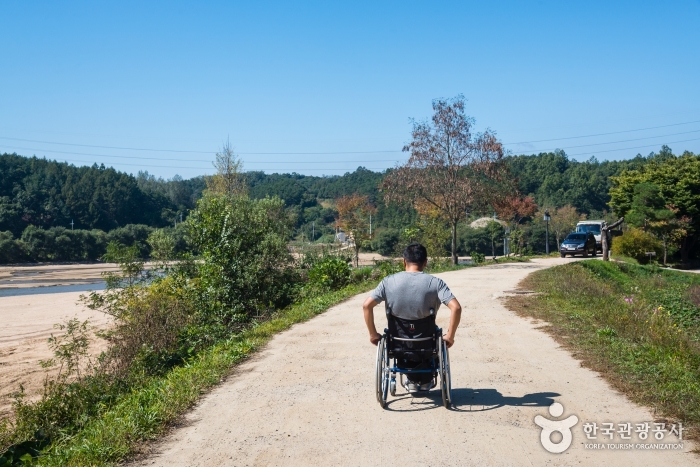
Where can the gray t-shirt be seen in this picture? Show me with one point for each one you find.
(411, 295)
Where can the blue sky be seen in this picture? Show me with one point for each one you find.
(314, 79)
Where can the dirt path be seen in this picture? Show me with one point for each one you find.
(308, 398)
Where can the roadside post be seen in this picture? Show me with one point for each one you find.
(546, 220)
(650, 254)
(506, 249)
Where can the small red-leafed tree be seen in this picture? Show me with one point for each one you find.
(514, 208)
(449, 167)
(353, 217)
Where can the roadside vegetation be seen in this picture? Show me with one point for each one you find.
(639, 326)
(177, 330)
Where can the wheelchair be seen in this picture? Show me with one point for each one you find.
(412, 347)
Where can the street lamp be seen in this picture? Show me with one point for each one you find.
(546, 220)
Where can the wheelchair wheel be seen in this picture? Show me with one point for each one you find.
(382, 382)
(445, 379)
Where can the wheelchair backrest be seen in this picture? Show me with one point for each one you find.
(406, 335)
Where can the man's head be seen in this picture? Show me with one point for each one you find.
(415, 256)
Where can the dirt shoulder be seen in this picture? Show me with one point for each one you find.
(308, 398)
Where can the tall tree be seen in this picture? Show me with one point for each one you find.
(353, 217)
(229, 179)
(449, 167)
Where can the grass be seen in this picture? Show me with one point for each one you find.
(145, 413)
(638, 326)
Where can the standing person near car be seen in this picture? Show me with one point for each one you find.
(412, 295)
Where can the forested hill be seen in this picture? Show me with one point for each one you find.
(555, 180)
(552, 178)
(49, 194)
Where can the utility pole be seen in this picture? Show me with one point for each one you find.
(546, 220)
(313, 231)
(180, 218)
(71, 225)
(370, 225)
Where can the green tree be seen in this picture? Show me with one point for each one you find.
(495, 231)
(246, 265)
(162, 247)
(678, 182)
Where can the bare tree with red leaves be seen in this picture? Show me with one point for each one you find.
(514, 208)
(449, 168)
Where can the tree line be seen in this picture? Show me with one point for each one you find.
(39, 198)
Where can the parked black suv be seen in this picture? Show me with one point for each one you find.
(578, 244)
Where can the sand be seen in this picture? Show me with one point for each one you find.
(27, 321)
(52, 275)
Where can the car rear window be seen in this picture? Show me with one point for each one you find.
(576, 237)
(594, 228)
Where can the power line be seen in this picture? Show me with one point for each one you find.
(211, 168)
(107, 156)
(352, 162)
(635, 147)
(604, 134)
(355, 161)
(620, 141)
(103, 147)
(126, 148)
(187, 160)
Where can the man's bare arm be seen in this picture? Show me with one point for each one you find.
(368, 309)
(455, 316)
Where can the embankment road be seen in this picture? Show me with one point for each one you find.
(308, 398)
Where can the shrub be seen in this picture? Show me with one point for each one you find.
(147, 339)
(386, 242)
(331, 273)
(246, 267)
(11, 250)
(477, 258)
(386, 267)
(132, 234)
(361, 274)
(635, 243)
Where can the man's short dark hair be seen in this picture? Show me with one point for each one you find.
(415, 253)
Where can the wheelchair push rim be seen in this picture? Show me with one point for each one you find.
(445, 378)
(382, 373)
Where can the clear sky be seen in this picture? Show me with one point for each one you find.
(330, 86)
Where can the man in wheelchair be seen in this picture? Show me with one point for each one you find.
(412, 299)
